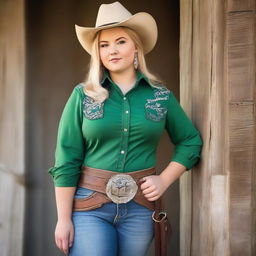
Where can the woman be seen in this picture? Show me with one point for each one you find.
(104, 174)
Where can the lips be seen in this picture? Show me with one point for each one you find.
(115, 59)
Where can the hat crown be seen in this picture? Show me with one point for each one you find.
(112, 13)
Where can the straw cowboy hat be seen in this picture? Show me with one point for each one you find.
(115, 15)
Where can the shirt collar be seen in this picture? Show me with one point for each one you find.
(139, 76)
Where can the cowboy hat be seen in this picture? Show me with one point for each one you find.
(116, 15)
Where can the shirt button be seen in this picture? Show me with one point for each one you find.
(122, 152)
(124, 98)
(125, 130)
(126, 111)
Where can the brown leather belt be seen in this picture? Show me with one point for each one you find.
(97, 179)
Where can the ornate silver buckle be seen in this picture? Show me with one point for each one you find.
(121, 188)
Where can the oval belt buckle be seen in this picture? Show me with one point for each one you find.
(121, 188)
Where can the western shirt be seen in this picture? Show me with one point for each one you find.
(122, 133)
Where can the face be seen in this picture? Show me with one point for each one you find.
(116, 50)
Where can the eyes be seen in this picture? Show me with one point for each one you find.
(106, 44)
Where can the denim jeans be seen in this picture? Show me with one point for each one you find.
(112, 230)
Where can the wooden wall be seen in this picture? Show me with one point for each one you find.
(217, 50)
(12, 123)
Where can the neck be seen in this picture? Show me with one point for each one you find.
(125, 79)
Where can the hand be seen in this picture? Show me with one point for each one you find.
(64, 235)
(153, 187)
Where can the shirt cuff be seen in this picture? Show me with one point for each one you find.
(64, 180)
(189, 160)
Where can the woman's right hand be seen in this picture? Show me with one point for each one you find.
(64, 235)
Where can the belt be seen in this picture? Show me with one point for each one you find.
(99, 180)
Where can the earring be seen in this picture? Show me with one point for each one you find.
(136, 61)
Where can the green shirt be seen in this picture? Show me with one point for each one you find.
(122, 133)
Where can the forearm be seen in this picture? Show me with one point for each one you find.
(172, 172)
(64, 201)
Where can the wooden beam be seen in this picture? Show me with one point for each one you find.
(12, 126)
(186, 101)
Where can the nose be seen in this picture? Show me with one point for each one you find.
(113, 50)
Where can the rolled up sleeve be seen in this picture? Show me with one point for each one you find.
(183, 134)
(70, 146)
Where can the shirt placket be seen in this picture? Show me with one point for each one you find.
(125, 126)
(125, 129)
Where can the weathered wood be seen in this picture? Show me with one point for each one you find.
(12, 123)
(240, 5)
(240, 42)
(219, 207)
(186, 101)
(220, 80)
(242, 126)
(241, 73)
(241, 230)
(206, 77)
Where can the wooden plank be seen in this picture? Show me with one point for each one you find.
(253, 206)
(242, 125)
(241, 68)
(210, 114)
(241, 166)
(241, 48)
(12, 199)
(186, 102)
(12, 126)
(241, 75)
(219, 214)
(240, 5)
(240, 28)
(185, 213)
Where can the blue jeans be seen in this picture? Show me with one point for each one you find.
(112, 230)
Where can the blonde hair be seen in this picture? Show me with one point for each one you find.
(93, 87)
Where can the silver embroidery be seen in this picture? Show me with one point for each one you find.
(92, 110)
(154, 110)
(160, 92)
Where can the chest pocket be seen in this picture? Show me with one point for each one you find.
(155, 108)
(92, 110)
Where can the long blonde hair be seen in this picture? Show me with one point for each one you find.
(92, 83)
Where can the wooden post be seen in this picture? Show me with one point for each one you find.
(217, 66)
(12, 126)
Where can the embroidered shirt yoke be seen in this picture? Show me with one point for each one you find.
(122, 133)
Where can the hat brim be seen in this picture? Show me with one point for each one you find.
(142, 23)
